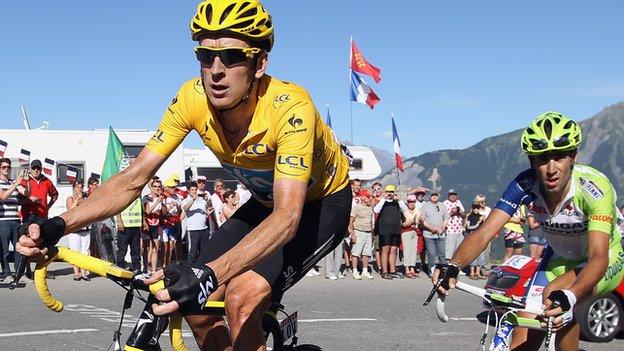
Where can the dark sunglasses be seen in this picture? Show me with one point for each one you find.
(5, 167)
(228, 56)
(559, 143)
(36, 168)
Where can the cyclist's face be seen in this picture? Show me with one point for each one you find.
(554, 170)
(226, 86)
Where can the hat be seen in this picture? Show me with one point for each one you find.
(364, 192)
(390, 188)
(420, 190)
(35, 163)
(201, 177)
(174, 176)
(411, 198)
(452, 191)
(170, 183)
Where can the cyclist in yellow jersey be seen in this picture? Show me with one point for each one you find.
(266, 133)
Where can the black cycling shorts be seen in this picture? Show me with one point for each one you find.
(389, 240)
(512, 243)
(151, 233)
(321, 229)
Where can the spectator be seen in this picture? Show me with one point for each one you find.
(360, 233)
(356, 186)
(455, 226)
(154, 210)
(229, 206)
(101, 232)
(129, 223)
(409, 237)
(172, 222)
(376, 192)
(389, 229)
(514, 234)
(201, 191)
(537, 243)
(217, 200)
(243, 194)
(473, 221)
(485, 211)
(41, 195)
(435, 219)
(39, 188)
(196, 210)
(9, 215)
(81, 239)
(420, 192)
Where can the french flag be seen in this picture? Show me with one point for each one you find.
(396, 145)
(72, 173)
(24, 157)
(3, 147)
(47, 166)
(362, 92)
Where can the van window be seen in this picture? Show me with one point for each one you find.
(133, 150)
(356, 164)
(61, 172)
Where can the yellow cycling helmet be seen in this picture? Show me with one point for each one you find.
(551, 131)
(243, 18)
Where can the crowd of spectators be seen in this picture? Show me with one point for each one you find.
(397, 234)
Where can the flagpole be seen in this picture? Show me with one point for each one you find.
(351, 102)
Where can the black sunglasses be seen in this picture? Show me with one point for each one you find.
(230, 56)
(559, 143)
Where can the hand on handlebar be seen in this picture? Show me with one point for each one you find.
(558, 304)
(37, 233)
(188, 288)
(445, 277)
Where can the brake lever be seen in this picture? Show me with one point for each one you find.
(19, 272)
(432, 293)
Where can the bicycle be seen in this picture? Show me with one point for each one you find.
(280, 335)
(498, 304)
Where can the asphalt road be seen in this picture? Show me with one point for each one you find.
(335, 315)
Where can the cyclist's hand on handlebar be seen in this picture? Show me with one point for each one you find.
(560, 304)
(445, 277)
(188, 288)
(37, 233)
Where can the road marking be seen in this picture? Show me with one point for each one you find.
(464, 319)
(48, 332)
(337, 320)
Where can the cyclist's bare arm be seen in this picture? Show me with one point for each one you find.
(472, 246)
(109, 199)
(594, 270)
(271, 234)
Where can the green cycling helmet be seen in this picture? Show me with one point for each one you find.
(551, 131)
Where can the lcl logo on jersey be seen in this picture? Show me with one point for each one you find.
(280, 99)
(258, 149)
(291, 165)
(158, 136)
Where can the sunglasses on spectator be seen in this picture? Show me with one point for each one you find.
(5, 167)
(411, 202)
(201, 181)
(229, 56)
(218, 186)
(36, 168)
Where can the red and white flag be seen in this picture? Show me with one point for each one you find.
(396, 145)
(24, 157)
(3, 147)
(47, 166)
(359, 64)
(72, 173)
(362, 92)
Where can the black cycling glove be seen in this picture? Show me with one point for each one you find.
(51, 230)
(190, 285)
(447, 271)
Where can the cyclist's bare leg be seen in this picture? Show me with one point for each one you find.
(211, 333)
(524, 339)
(568, 337)
(247, 297)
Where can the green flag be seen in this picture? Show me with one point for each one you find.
(116, 157)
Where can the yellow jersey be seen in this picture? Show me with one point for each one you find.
(287, 138)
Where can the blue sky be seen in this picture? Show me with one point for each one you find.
(453, 73)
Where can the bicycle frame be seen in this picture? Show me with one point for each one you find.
(510, 319)
(142, 337)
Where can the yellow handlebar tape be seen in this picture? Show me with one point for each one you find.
(92, 264)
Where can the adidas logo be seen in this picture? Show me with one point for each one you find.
(198, 272)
